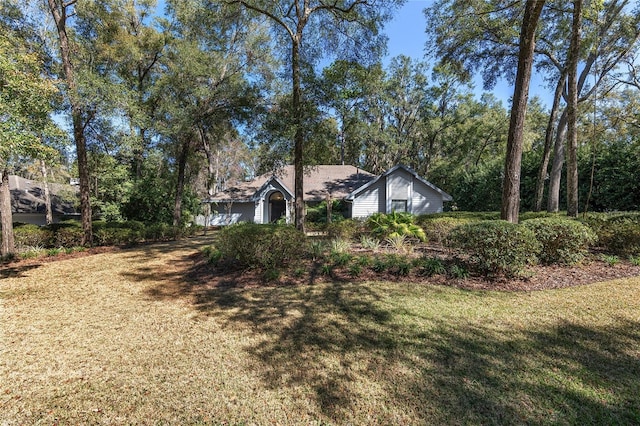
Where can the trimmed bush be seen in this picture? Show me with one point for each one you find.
(563, 240)
(496, 246)
(32, 236)
(618, 233)
(346, 229)
(249, 245)
(66, 234)
(438, 228)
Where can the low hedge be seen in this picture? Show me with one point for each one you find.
(268, 247)
(618, 233)
(496, 246)
(563, 240)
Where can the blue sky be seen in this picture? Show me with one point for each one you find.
(407, 36)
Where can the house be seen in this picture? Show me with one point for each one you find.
(270, 197)
(28, 205)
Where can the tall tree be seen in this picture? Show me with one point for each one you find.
(572, 111)
(26, 97)
(511, 185)
(61, 10)
(327, 21)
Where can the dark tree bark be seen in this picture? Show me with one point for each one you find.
(511, 184)
(182, 167)
(553, 202)
(58, 9)
(572, 112)
(6, 218)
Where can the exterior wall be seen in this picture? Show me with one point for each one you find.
(399, 187)
(425, 200)
(370, 201)
(221, 215)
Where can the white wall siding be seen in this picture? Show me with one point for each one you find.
(369, 201)
(221, 215)
(425, 200)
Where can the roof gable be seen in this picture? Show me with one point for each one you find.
(445, 196)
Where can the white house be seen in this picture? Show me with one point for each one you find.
(270, 197)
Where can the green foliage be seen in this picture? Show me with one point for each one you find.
(563, 240)
(318, 213)
(609, 259)
(340, 258)
(395, 224)
(66, 234)
(340, 245)
(398, 265)
(635, 260)
(212, 253)
(429, 266)
(355, 270)
(618, 233)
(317, 249)
(496, 246)
(379, 265)
(458, 271)
(437, 228)
(32, 235)
(159, 231)
(397, 242)
(370, 243)
(250, 245)
(346, 229)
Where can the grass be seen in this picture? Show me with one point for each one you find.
(127, 338)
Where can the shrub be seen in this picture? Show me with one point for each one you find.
(212, 254)
(398, 265)
(370, 243)
(389, 225)
(340, 245)
(66, 234)
(458, 271)
(438, 229)
(32, 235)
(496, 246)
(316, 249)
(346, 229)
(250, 245)
(429, 266)
(617, 233)
(158, 231)
(562, 240)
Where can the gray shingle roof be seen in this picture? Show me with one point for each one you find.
(27, 196)
(337, 181)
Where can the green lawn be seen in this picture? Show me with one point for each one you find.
(124, 337)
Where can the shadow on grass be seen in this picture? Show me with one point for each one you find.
(355, 345)
(15, 271)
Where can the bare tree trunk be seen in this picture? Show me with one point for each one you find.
(548, 143)
(47, 194)
(299, 136)
(553, 202)
(511, 184)
(572, 112)
(59, 11)
(6, 218)
(182, 166)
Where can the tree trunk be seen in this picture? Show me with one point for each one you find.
(299, 135)
(572, 113)
(6, 218)
(47, 194)
(511, 184)
(548, 143)
(182, 166)
(59, 12)
(553, 202)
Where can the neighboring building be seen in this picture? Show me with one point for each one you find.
(27, 201)
(270, 197)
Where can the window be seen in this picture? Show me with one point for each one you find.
(398, 205)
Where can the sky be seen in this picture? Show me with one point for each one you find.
(407, 36)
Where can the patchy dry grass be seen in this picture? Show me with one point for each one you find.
(126, 337)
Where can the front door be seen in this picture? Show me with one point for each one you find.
(277, 206)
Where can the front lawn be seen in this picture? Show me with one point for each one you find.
(127, 337)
